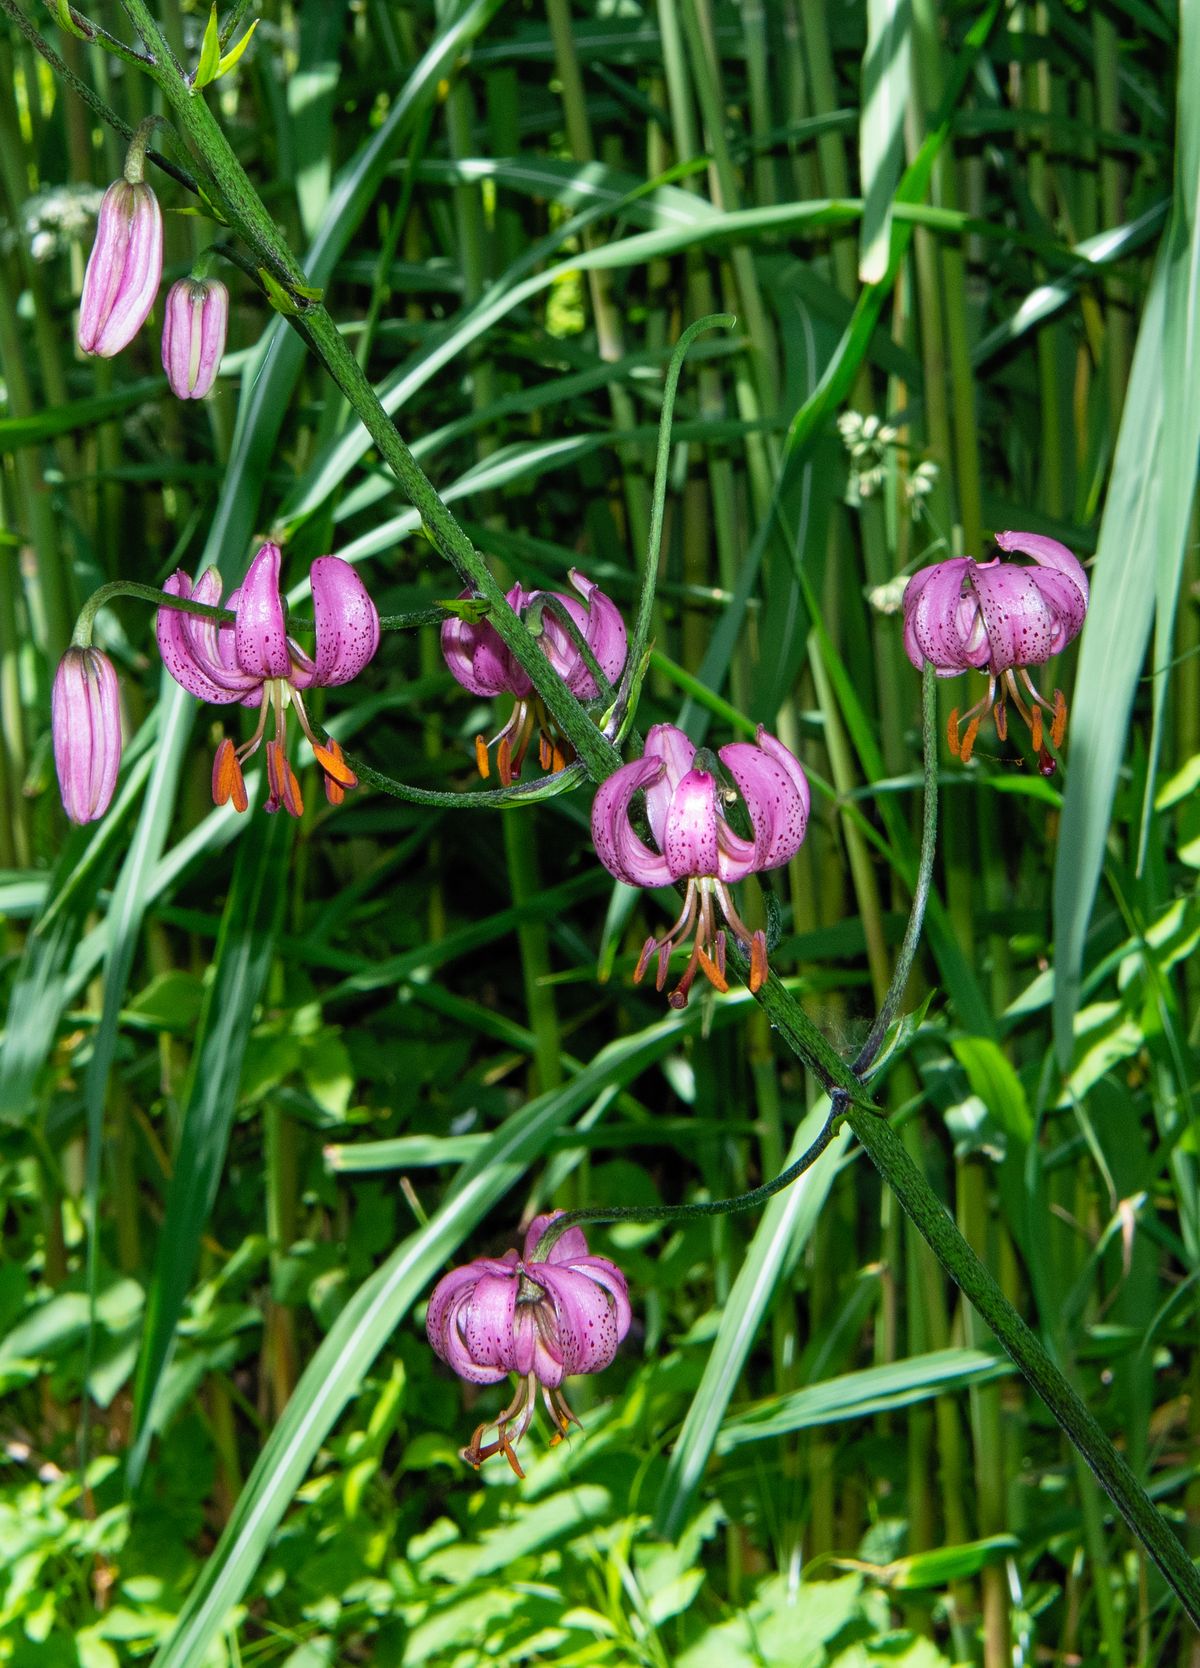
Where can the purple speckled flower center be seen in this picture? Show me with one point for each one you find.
(255, 662)
(685, 808)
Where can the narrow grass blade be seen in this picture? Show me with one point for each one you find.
(864, 1394)
(243, 958)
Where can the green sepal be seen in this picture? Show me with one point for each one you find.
(280, 298)
(235, 52)
(212, 66)
(471, 609)
(209, 66)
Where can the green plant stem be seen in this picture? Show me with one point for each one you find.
(105, 111)
(886, 1151)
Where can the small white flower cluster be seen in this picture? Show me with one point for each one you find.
(53, 219)
(869, 441)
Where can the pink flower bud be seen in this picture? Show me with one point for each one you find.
(123, 270)
(194, 322)
(85, 720)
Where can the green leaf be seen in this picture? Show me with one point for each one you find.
(208, 68)
(243, 957)
(235, 52)
(993, 1079)
(864, 1394)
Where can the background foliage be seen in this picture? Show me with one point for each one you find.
(318, 1063)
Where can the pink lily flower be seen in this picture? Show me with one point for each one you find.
(195, 319)
(85, 722)
(477, 658)
(543, 1318)
(124, 268)
(255, 662)
(998, 617)
(685, 810)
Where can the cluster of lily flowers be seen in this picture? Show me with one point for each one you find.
(547, 1313)
(551, 1310)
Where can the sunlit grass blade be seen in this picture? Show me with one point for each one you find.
(885, 95)
(786, 1225)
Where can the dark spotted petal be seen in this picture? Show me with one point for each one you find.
(347, 621)
(775, 789)
(261, 633)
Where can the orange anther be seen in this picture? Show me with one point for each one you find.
(1036, 727)
(504, 761)
(335, 772)
(1058, 726)
(282, 779)
(758, 961)
(952, 731)
(712, 972)
(968, 741)
(227, 780)
(481, 758)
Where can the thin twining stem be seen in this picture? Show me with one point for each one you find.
(865, 1057)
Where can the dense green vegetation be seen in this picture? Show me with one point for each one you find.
(264, 1079)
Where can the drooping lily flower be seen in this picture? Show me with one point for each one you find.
(124, 269)
(255, 662)
(543, 1318)
(195, 319)
(998, 617)
(477, 658)
(685, 809)
(85, 722)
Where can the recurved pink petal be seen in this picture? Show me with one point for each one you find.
(488, 1322)
(622, 852)
(183, 644)
(445, 1325)
(586, 1311)
(690, 841)
(1023, 627)
(347, 621)
(1062, 579)
(599, 623)
(261, 632)
(776, 793)
(942, 619)
(677, 751)
(605, 631)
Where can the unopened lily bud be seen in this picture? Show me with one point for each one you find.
(123, 270)
(85, 720)
(194, 324)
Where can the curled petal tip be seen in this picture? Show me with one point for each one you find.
(346, 618)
